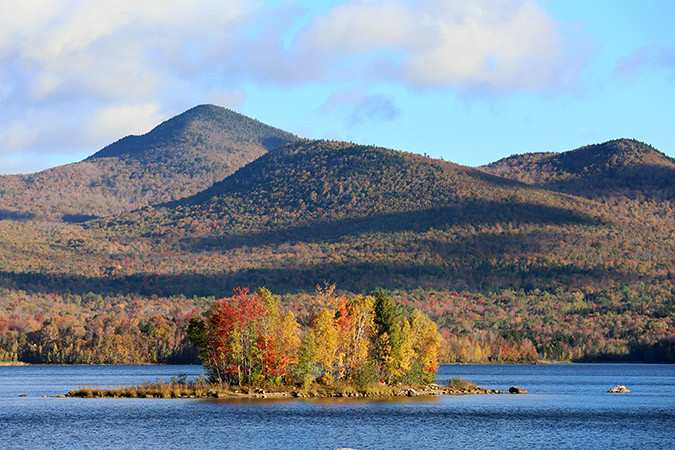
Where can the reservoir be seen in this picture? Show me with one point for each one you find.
(568, 407)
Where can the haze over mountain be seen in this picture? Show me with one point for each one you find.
(179, 157)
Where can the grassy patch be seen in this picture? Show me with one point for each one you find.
(461, 383)
(203, 389)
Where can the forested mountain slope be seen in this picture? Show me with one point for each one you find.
(509, 271)
(622, 167)
(325, 189)
(366, 217)
(178, 158)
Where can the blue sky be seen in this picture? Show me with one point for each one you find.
(469, 81)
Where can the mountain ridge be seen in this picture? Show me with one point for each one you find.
(621, 166)
(179, 157)
(577, 267)
(314, 182)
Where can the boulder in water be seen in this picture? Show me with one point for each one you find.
(619, 390)
(517, 390)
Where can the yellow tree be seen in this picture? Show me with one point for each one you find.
(426, 342)
(383, 353)
(288, 339)
(326, 343)
(403, 358)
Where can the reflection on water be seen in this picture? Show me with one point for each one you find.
(568, 407)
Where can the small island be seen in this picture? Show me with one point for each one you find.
(204, 390)
(364, 346)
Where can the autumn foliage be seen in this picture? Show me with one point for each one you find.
(247, 339)
(562, 257)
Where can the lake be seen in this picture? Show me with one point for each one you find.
(568, 407)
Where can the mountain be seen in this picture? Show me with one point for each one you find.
(504, 266)
(178, 158)
(366, 217)
(326, 188)
(620, 167)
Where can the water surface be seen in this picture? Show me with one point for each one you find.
(568, 407)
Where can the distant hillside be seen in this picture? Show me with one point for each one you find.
(505, 268)
(178, 158)
(620, 167)
(365, 217)
(321, 188)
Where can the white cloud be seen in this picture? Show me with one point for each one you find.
(116, 121)
(126, 49)
(76, 74)
(108, 48)
(492, 44)
(117, 66)
(45, 131)
(15, 135)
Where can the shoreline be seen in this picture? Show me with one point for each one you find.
(489, 363)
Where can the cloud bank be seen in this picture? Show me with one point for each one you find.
(78, 74)
(497, 45)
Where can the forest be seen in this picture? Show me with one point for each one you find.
(608, 325)
(555, 257)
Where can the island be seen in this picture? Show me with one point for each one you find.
(215, 391)
(361, 346)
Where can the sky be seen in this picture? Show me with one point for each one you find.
(469, 81)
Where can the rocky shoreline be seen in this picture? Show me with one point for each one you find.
(259, 393)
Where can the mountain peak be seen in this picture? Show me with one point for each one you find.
(620, 166)
(618, 152)
(209, 125)
(177, 158)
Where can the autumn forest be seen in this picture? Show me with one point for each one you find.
(356, 262)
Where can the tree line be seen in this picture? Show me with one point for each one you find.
(624, 323)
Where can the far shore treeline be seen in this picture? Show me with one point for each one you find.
(512, 327)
